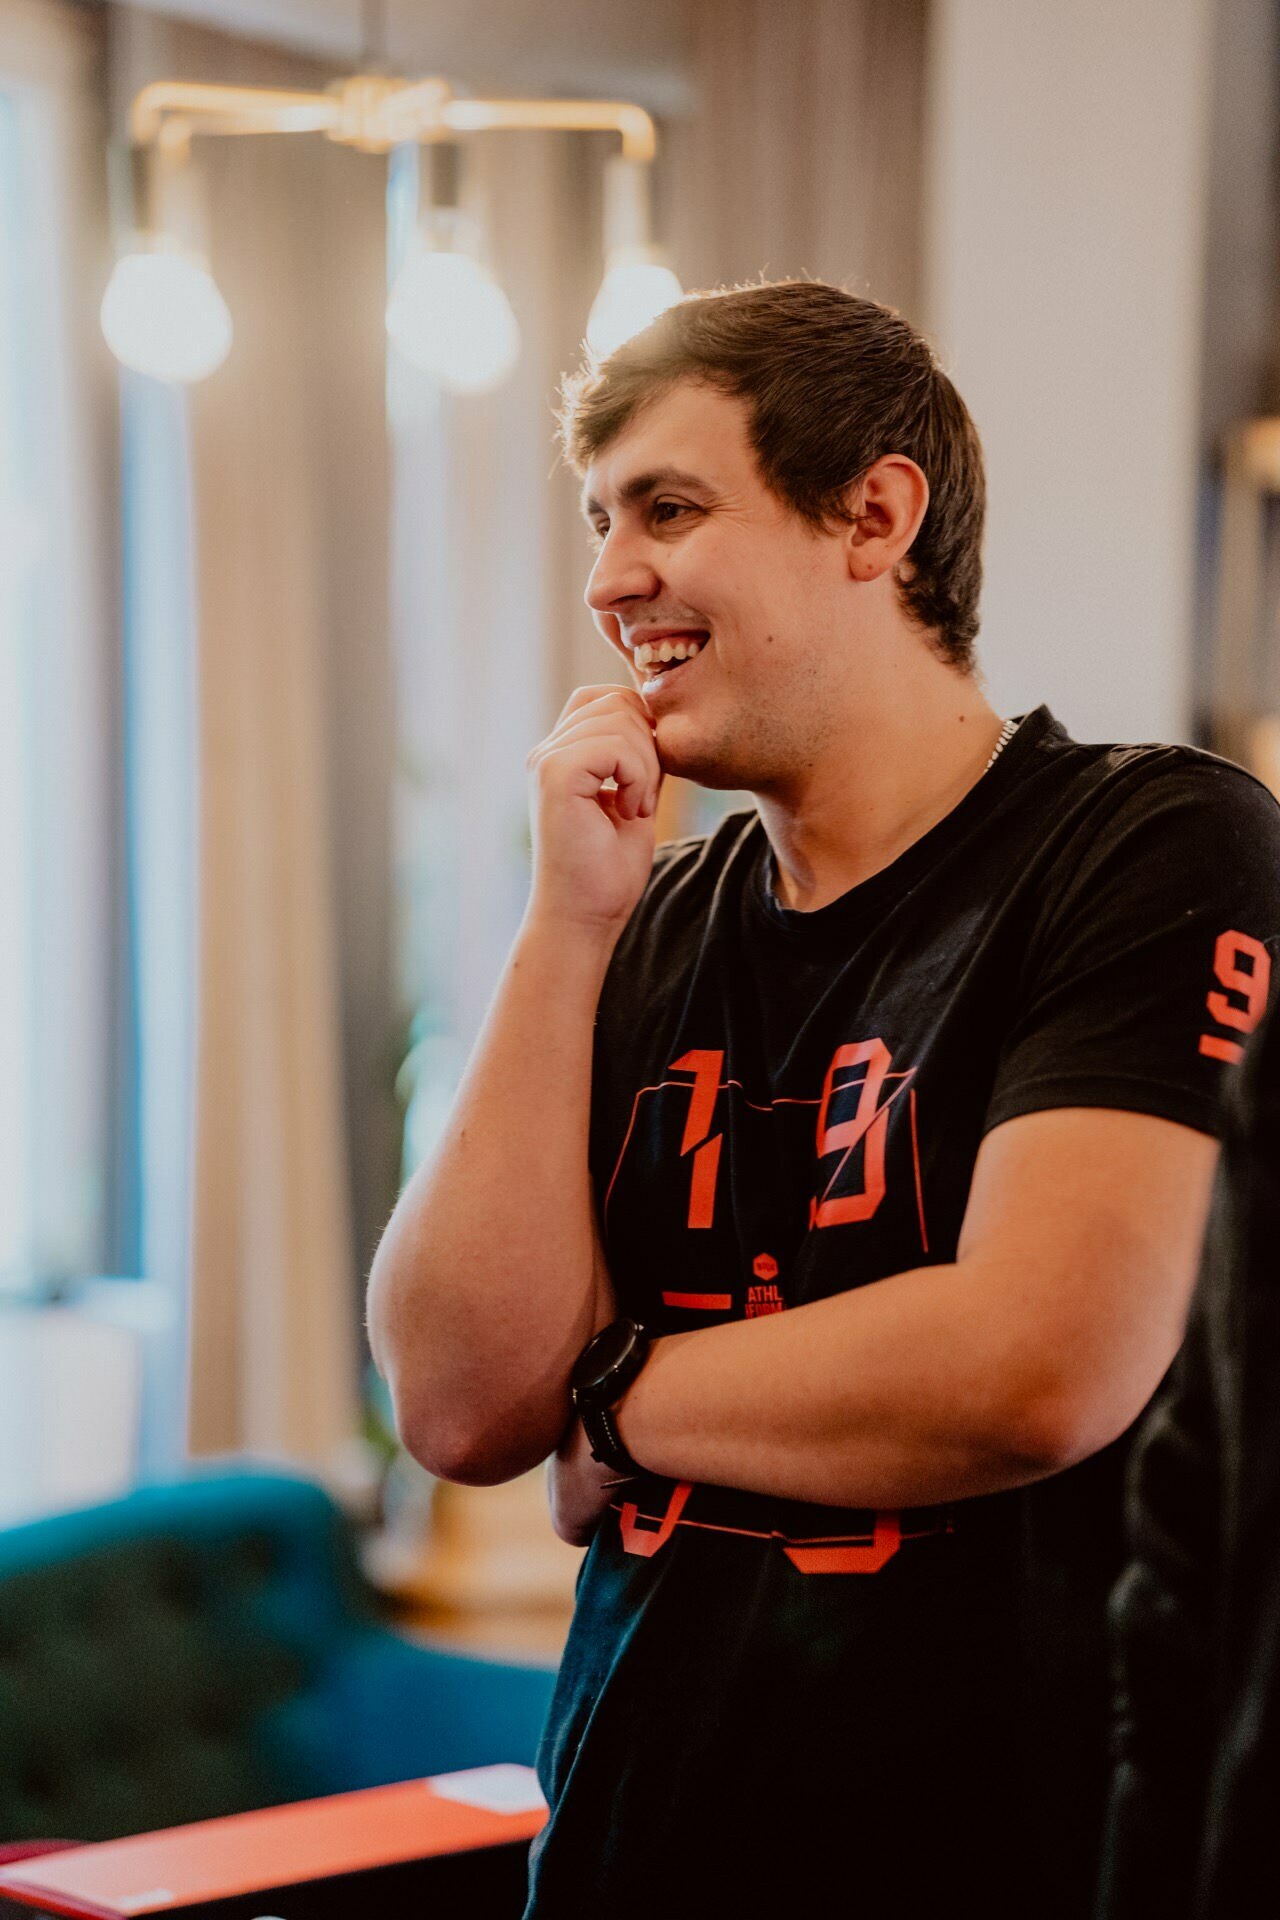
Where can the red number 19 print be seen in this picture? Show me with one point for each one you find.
(868, 1124)
(706, 1066)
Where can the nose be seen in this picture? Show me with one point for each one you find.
(623, 573)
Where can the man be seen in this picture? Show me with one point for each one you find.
(1193, 1802)
(886, 1170)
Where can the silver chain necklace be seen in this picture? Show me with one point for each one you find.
(1007, 732)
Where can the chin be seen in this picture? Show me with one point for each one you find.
(698, 760)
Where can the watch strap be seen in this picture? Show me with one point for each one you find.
(605, 1441)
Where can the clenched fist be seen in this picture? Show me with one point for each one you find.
(593, 844)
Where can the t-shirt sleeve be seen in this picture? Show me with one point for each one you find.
(1154, 956)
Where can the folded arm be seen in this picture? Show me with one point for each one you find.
(490, 1278)
(1038, 1345)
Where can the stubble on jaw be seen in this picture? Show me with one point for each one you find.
(759, 749)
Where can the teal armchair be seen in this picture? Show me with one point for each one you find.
(207, 1646)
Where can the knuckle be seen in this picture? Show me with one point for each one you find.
(582, 697)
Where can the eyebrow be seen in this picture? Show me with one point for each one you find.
(644, 484)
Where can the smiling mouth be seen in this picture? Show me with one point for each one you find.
(659, 660)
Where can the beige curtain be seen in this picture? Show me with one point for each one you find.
(804, 152)
(289, 487)
(488, 611)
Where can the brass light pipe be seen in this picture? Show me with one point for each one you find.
(370, 112)
(639, 141)
(227, 110)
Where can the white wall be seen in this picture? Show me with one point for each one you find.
(1065, 238)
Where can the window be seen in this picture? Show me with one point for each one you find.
(57, 728)
(18, 536)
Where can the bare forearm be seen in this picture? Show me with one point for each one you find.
(488, 1282)
(904, 1393)
(1039, 1345)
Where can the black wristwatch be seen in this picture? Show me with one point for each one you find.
(601, 1375)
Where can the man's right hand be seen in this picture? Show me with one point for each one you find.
(592, 846)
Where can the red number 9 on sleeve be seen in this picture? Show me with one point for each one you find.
(1229, 950)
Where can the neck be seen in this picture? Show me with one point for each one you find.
(852, 812)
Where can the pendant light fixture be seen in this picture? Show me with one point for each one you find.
(639, 282)
(447, 314)
(163, 314)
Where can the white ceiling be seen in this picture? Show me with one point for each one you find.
(641, 52)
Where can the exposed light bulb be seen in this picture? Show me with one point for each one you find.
(162, 315)
(448, 317)
(632, 295)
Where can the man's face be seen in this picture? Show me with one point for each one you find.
(695, 549)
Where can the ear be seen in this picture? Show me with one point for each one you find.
(890, 502)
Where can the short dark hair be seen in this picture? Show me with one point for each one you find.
(833, 382)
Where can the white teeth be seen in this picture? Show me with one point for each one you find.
(664, 652)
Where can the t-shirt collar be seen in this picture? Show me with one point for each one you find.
(879, 889)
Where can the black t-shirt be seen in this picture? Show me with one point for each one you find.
(759, 1695)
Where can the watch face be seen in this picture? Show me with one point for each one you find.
(602, 1356)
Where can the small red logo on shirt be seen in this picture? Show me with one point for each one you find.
(765, 1299)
